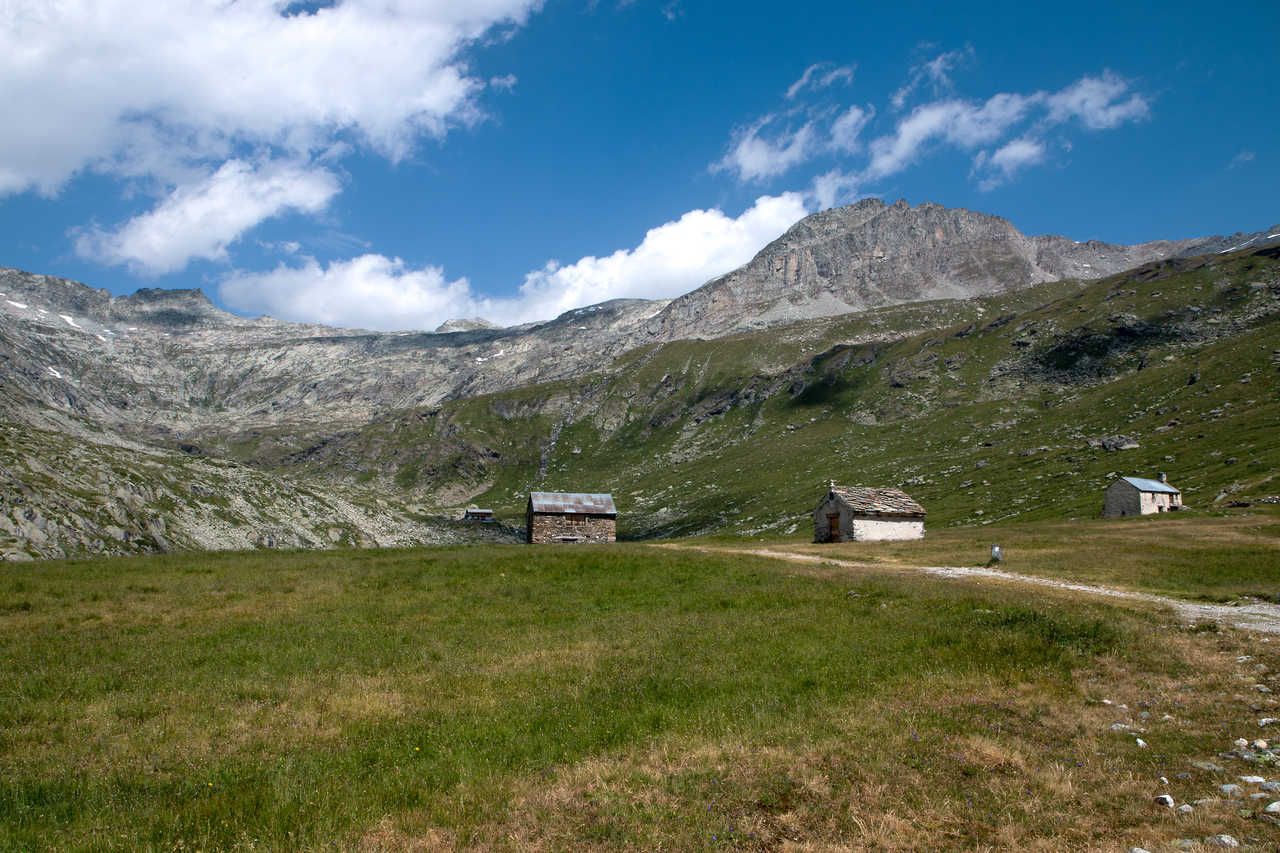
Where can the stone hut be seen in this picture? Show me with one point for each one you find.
(1139, 496)
(477, 514)
(570, 517)
(865, 514)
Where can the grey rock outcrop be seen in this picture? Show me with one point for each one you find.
(871, 254)
(468, 324)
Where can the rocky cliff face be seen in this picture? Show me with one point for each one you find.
(171, 367)
(872, 254)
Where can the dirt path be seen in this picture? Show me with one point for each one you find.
(1262, 618)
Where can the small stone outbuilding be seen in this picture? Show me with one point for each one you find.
(477, 514)
(570, 517)
(1139, 496)
(866, 514)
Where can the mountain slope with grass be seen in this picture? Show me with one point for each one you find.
(1004, 405)
(984, 410)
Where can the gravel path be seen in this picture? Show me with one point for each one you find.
(1260, 618)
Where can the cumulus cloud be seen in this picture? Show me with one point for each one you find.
(370, 292)
(672, 259)
(167, 91)
(376, 292)
(201, 73)
(200, 220)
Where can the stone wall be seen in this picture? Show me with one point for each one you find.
(550, 527)
(886, 529)
(822, 526)
(862, 528)
(1123, 499)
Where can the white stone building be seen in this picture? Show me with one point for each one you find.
(865, 514)
(1139, 496)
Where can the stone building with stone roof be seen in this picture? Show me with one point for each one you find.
(1140, 496)
(866, 514)
(570, 517)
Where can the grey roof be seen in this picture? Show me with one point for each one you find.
(573, 502)
(1145, 485)
(865, 499)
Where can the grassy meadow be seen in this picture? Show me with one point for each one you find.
(512, 698)
(1220, 557)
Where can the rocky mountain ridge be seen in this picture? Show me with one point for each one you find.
(166, 379)
(168, 366)
(871, 254)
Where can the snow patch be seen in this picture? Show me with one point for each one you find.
(16, 304)
(101, 338)
(72, 323)
(1241, 246)
(54, 372)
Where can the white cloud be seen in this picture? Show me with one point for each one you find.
(672, 259)
(936, 72)
(820, 75)
(1245, 156)
(1019, 125)
(164, 92)
(1099, 103)
(1007, 160)
(960, 123)
(81, 81)
(834, 188)
(200, 220)
(753, 157)
(369, 291)
(373, 291)
(847, 127)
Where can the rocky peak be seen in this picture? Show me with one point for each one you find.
(464, 324)
(170, 309)
(870, 254)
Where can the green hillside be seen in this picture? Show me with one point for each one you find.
(983, 410)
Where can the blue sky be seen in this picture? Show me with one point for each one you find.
(391, 164)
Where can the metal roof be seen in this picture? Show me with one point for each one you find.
(572, 502)
(1145, 485)
(878, 501)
